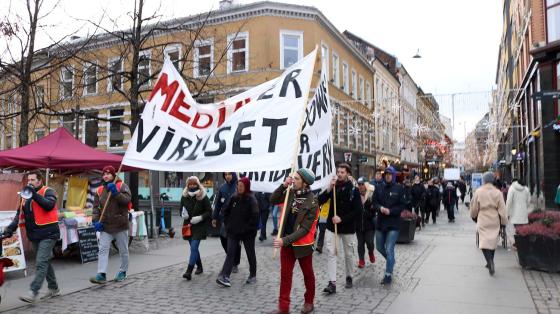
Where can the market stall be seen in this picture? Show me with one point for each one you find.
(73, 172)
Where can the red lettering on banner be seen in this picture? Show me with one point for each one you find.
(241, 103)
(179, 103)
(166, 89)
(197, 119)
(221, 116)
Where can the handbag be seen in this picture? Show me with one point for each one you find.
(186, 231)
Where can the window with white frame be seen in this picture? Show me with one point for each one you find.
(69, 122)
(238, 53)
(173, 52)
(291, 47)
(91, 128)
(368, 94)
(90, 78)
(345, 83)
(39, 95)
(325, 58)
(362, 90)
(144, 69)
(203, 57)
(66, 82)
(354, 84)
(115, 79)
(335, 70)
(116, 129)
(553, 20)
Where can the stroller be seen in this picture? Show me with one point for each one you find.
(4, 262)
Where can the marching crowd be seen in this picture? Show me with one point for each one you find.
(360, 213)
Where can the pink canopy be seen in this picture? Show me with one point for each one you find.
(59, 150)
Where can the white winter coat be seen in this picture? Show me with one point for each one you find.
(518, 203)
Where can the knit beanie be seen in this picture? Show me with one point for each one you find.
(306, 175)
(109, 169)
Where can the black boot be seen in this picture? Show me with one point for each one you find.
(188, 273)
(199, 269)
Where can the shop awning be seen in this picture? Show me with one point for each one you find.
(59, 150)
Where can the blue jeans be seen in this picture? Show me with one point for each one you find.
(385, 243)
(275, 210)
(195, 254)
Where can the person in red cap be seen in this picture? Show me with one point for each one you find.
(241, 217)
(113, 224)
(297, 238)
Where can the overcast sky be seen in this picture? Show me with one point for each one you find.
(458, 40)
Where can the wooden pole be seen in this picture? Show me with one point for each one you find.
(109, 196)
(335, 225)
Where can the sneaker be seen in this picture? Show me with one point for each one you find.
(235, 270)
(387, 280)
(251, 280)
(29, 297)
(99, 278)
(372, 258)
(120, 276)
(51, 293)
(274, 232)
(330, 289)
(223, 281)
(361, 263)
(348, 283)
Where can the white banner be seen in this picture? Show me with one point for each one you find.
(253, 131)
(316, 148)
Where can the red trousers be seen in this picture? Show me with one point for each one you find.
(287, 263)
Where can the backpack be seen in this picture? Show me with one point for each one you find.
(118, 184)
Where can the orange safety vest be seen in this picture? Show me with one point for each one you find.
(309, 237)
(44, 217)
(118, 184)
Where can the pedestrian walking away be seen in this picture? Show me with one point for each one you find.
(225, 192)
(488, 210)
(241, 217)
(39, 215)
(449, 200)
(296, 241)
(518, 204)
(389, 201)
(113, 225)
(365, 224)
(196, 212)
(418, 196)
(432, 201)
(348, 206)
(263, 199)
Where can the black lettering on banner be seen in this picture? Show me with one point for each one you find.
(273, 124)
(238, 137)
(264, 95)
(222, 143)
(317, 107)
(180, 149)
(193, 155)
(166, 140)
(322, 105)
(140, 142)
(304, 143)
(327, 158)
(291, 77)
(316, 163)
(281, 175)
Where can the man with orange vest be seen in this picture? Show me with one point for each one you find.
(39, 215)
(297, 237)
(112, 224)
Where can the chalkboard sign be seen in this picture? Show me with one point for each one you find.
(88, 244)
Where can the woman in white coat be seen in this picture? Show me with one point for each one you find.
(489, 211)
(518, 203)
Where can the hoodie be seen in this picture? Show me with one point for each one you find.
(390, 196)
(223, 196)
(518, 203)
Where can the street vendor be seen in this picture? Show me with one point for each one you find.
(112, 223)
(39, 215)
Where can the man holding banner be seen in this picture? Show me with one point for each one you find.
(297, 238)
(348, 205)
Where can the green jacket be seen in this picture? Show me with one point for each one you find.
(306, 206)
(198, 205)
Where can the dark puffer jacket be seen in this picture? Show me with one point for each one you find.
(390, 196)
(198, 205)
(115, 218)
(365, 220)
(241, 216)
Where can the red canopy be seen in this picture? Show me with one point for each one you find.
(59, 150)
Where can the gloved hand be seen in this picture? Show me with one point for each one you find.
(184, 213)
(98, 226)
(112, 188)
(196, 219)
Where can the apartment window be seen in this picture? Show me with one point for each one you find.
(291, 48)
(553, 20)
(91, 128)
(39, 134)
(362, 90)
(354, 85)
(203, 57)
(69, 122)
(144, 69)
(115, 80)
(238, 53)
(67, 82)
(173, 52)
(90, 78)
(368, 94)
(335, 70)
(345, 85)
(325, 59)
(116, 130)
(39, 95)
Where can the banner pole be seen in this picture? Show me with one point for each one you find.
(294, 161)
(335, 225)
(109, 196)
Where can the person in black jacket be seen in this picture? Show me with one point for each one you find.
(449, 200)
(389, 201)
(241, 217)
(432, 201)
(348, 207)
(365, 226)
(462, 188)
(418, 194)
(41, 225)
(263, 199)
